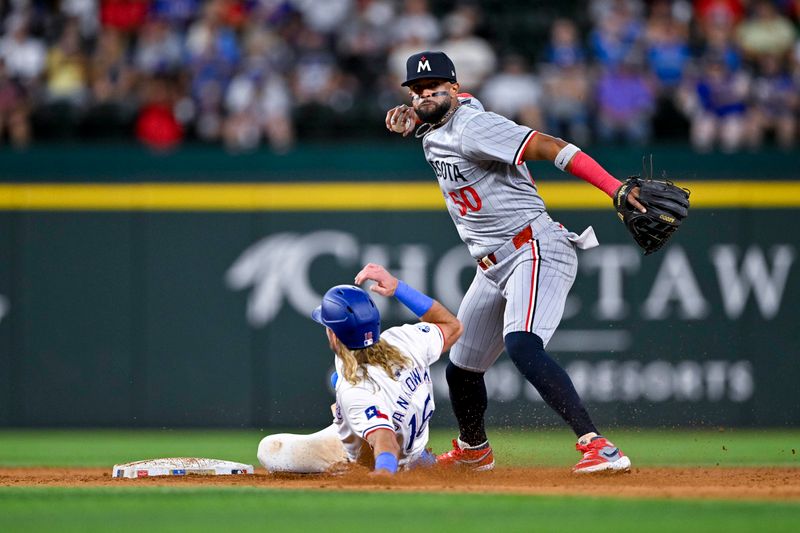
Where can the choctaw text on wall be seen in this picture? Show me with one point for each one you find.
(193, 318)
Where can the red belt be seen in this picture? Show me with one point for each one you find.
(518, 240)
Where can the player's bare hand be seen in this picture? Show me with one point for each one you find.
(385, 283)
(401, 119)
(633, 199)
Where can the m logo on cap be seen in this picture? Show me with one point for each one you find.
(429, 65)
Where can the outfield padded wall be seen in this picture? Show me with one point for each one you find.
(150, 314)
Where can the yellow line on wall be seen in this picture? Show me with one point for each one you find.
(223, 197)
(704, 195)
(345, 196)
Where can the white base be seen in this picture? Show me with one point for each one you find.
(180, 466)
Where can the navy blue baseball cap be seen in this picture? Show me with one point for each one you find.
(351, 314)
(429, 64)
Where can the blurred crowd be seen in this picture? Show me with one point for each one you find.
(249, 73)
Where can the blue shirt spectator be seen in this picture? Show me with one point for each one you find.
(176, 12)
(668, 52)
(565, 48)
(717, 93)
(625, 103)
(615, 38)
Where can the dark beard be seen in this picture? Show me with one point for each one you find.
(433, 114)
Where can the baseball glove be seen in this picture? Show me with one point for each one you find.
(667, 205)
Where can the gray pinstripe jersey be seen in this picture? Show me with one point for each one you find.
(489, 192)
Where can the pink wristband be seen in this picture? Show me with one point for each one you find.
(589, 170)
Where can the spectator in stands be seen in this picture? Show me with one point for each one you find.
(774, 103)
(177, 13)
(514, 93)
(258, 101)
(719, 43)
(364, 39)
(264, 49)
(113, 84)
(716, 105)
(599, 9)
(125, 15)
(766, 32)
(113, 78)
(321, 66)
(323, 18)
(14, 110)
(212, 37)
(616, 34)
(625, 103)
(473, 54)
(23, 54)
(565, 81)
(85, 13)
(213, 51)
(158, 49)
(416, 23)
(667, 47)
(258, 106)
(316, 73)
(157, 125)
(725, 13)
(565, 47)
(67, 68)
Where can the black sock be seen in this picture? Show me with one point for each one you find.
(468, 397)
(552, 381)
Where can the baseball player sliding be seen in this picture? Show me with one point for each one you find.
(384, 395)
(526, 262)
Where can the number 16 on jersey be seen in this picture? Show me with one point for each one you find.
(417, 428)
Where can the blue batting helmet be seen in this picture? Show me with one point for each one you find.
(351, 314)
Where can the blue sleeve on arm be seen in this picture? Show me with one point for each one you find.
(418, 303)
(386, 461)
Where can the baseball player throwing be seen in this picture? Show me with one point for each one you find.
(526, 262)
(384, 395)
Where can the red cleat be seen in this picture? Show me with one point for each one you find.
(600, 455)
(478, 458)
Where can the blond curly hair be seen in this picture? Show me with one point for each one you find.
(381, 354)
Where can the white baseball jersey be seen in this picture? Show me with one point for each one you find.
(477, 158)
(404, 404)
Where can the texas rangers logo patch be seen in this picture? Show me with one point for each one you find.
(374, 412)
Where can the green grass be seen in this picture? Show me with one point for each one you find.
(249, 509)
(658, 447)
(255, 509)
(520, 448)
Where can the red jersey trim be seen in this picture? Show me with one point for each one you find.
(373, 429)
(521, 150)
(534, 286)
(444, 339)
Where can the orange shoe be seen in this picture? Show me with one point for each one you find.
(600, 455)
(477, 458)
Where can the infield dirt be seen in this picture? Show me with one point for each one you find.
(707, 483)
